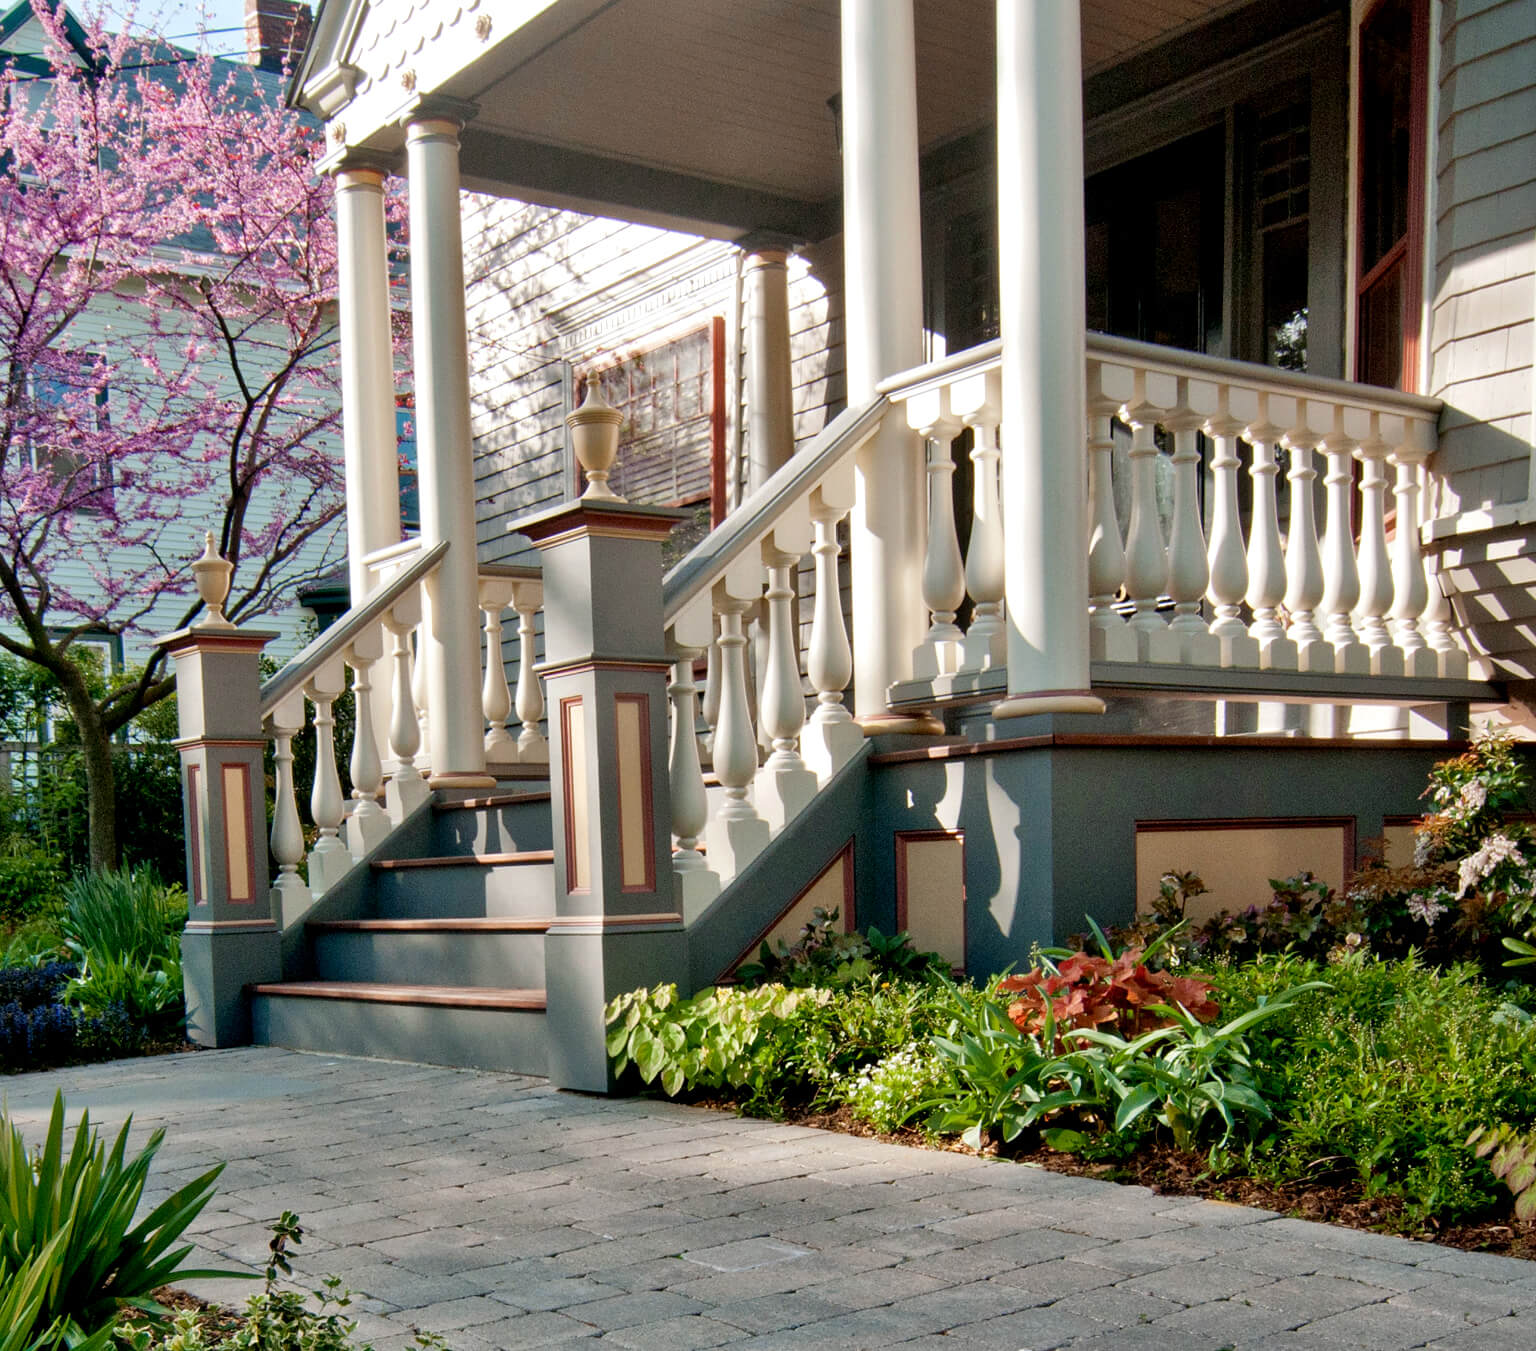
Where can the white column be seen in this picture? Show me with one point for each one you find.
(367, 381)
(1040, 252)
(440, 351)
(770, 407)
(883, 309)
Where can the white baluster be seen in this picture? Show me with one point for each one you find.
(831, 737)
(368, 823)
(1408, 589)
(1146, 560)
(1303, 559)
(1341, 574)
(494, 594)
(419, 699)
(1189, 637)
(329, 860)
(697, 884)
(943, 570)
(711, 708)
(407, 788)
(1228, 559)
(290, 895)
(1375, 573)
(784, 786)
(528, 600)
(736, 834)
(1438, 621)
(977, 401)
(1108, 637)
(1266, 561)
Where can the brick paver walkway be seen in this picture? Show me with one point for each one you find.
(503, 1214)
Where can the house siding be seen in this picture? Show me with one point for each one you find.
(1484, 286)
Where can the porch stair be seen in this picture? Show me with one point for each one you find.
(433, 951)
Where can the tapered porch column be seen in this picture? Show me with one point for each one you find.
(367, 370)
(883, 269)
(770, 406)
(440, 354)
(1040, 252)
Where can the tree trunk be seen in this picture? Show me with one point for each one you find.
(100, 775)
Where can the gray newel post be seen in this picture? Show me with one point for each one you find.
(231, 939)
(605, 673)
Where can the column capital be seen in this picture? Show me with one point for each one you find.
(362, 168)
(760, 242)
(419, 117)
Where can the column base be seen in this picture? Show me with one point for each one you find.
(878, 724)
(1048, 701)
(450, 779)
(217, 962)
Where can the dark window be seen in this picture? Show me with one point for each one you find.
(1282, 206)
(69, 407)
(671, 443)
(1393, 56)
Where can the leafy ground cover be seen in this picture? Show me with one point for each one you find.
(1368, 1056)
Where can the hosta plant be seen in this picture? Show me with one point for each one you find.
(78, 1206)
(1511, 1157)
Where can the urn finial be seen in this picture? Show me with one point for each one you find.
(595, 439)
(212, 575)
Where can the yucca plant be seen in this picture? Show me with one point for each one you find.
(70, 1216)
(22, 1294)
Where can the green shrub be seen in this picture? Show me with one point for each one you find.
(31, 882)
(826, 958)
(72, 1213)
(1384, 1078)
(32, 943)
(127, 915)
(888, 1093)
(148, 992)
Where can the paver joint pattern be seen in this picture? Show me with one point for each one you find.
(503, 1214)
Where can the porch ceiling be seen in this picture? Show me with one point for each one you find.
(714, 114)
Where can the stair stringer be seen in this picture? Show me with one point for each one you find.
(754, 899)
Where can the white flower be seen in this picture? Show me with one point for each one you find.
(1473, 868)
(1474, 794)
(1425, 908)
(1423, 843)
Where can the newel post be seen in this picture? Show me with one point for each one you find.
(231, 938)
(606, 670)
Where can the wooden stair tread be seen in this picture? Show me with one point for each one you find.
(492, 800)
(475, 924)
(437, 996)
(463, 860)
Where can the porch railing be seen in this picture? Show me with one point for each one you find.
(346, 833)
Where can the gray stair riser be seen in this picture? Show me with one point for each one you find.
(495, 960)
(491, 1039)
(468, 891)
(492, 830)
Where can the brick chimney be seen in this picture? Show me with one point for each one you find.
(275, 32)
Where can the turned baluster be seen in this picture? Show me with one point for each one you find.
(831, 737)
(736, 834)
(1303, 558)
(1438, 620)
(407, 788)
(1341, 574)
(494, 595)
(1146, 560)
(943, 569)
(329, 859)
(368, 823)
(1409, 591)
(785, 785)
(1266, 561)
(1375, 570)
(697, 883)
(527, 601)
(1228, 558)
(977, 401)
(711, 704)
(1108, 637)
(1188, 570)
(290, 894)
(419, 698)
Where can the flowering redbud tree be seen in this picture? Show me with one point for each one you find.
(168, 359)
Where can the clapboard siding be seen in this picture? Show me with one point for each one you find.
(1484, 295)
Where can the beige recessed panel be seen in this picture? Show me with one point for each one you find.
(830, 891)
(931, 873)
(1236, 862)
